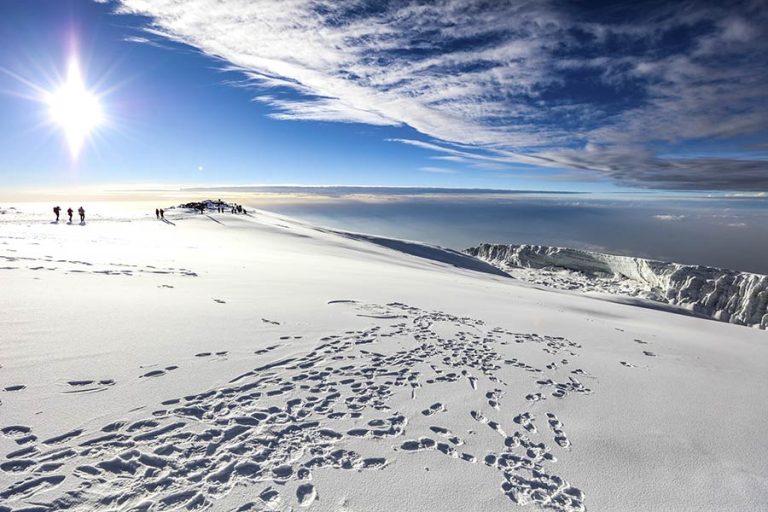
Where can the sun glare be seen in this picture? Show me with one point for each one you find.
(75, 109)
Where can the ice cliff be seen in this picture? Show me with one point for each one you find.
(726, 295)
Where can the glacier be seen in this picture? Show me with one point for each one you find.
(726, 295)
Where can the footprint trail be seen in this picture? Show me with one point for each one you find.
(273, 427)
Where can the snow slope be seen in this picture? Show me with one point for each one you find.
(257, 362)
(735, 297)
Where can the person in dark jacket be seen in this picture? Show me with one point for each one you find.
(81, 212)
(70, 212)
(57, 211)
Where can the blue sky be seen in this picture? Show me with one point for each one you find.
(541, 95)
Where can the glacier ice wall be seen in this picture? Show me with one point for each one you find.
(726, 295)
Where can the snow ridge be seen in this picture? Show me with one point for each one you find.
(725, 295)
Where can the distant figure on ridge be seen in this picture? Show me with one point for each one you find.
(162, 214)
(57, 210)
(157, 213)
(69, 212)
(81, 212)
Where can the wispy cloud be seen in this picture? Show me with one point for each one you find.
(669, 218)
(498, 83)
(437, 170)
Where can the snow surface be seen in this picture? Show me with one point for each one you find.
(255, 362)
(726, 295)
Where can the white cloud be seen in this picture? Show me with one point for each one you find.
(669, 218)
(501, 79)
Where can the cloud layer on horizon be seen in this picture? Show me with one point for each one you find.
(631, 93)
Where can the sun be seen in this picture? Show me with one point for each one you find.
(75, 109)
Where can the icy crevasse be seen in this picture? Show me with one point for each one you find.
(726, 295)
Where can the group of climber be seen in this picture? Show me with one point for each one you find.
(159, 212)
(70, 212)
(222, 207)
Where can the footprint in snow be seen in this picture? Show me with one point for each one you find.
(20, 434)
(306, 494)
(89, 386)
(160, 373)
(221, 353)
(433, 409)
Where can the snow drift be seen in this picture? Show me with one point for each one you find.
(726, 295)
